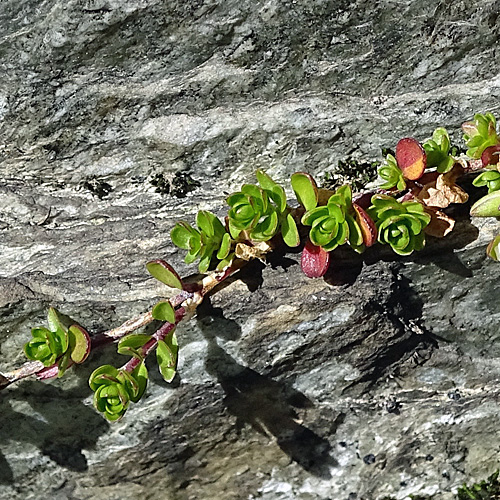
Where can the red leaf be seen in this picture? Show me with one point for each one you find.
(368, 227)
(411, 158)
(490, 155)
(315, 260)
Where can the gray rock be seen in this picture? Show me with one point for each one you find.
(119, 118)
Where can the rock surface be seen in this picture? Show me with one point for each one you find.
(119, 118)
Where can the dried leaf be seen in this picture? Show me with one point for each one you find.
(443, 191)
(257, 251)
(440, 224)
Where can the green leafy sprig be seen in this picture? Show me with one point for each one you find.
(114, 389)
(64, 342)
(210, 237)
(437, 150)
(490, 178)
(391, 174)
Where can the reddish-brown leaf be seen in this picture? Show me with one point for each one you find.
(315, 260)
(411, 158)
(368, 227)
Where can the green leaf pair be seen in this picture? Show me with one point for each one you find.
(399, 225)
(333, 224)
(167, 351)
(490, 178)
(437, 150)
(210, 237)
(63, 342)
(480, 134)
(114, 389)
(391, 174)
(261, 211)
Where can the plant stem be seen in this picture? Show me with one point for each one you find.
(186, 303)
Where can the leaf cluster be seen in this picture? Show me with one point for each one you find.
(399, 224)
(480, 134)
(114, 389)
(210, 237)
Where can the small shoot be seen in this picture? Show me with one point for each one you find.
(480, 134)
(437, 150)
(490, 178)
(114, 389)
(399, 225)
(391, 174)
(200, 243)
(64, 342)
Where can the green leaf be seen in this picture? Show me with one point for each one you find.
(305, 190)
(62, 364)
(165, 273)
(487, 206)
(79, 343)
(279, 197)
(289, 231)
(166, 353)
(163, 311)
(225, 247)
(265, 181)
(140, 374)
(130, 344)
(181, 234)
(204, 220)
(104, 375)
(53, 319)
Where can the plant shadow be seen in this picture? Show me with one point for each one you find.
(52, 419)
(270, 407)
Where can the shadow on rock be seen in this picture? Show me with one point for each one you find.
(54, 420)
(265, 404)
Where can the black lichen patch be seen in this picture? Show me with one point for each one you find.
(97, 187)
(350, 171)
(179, 186)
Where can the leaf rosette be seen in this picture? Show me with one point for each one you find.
(259, 212)
(114, 389)
(333, 224)
(399, 225)
(391, 174)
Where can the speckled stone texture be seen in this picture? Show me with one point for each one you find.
(118, 118)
